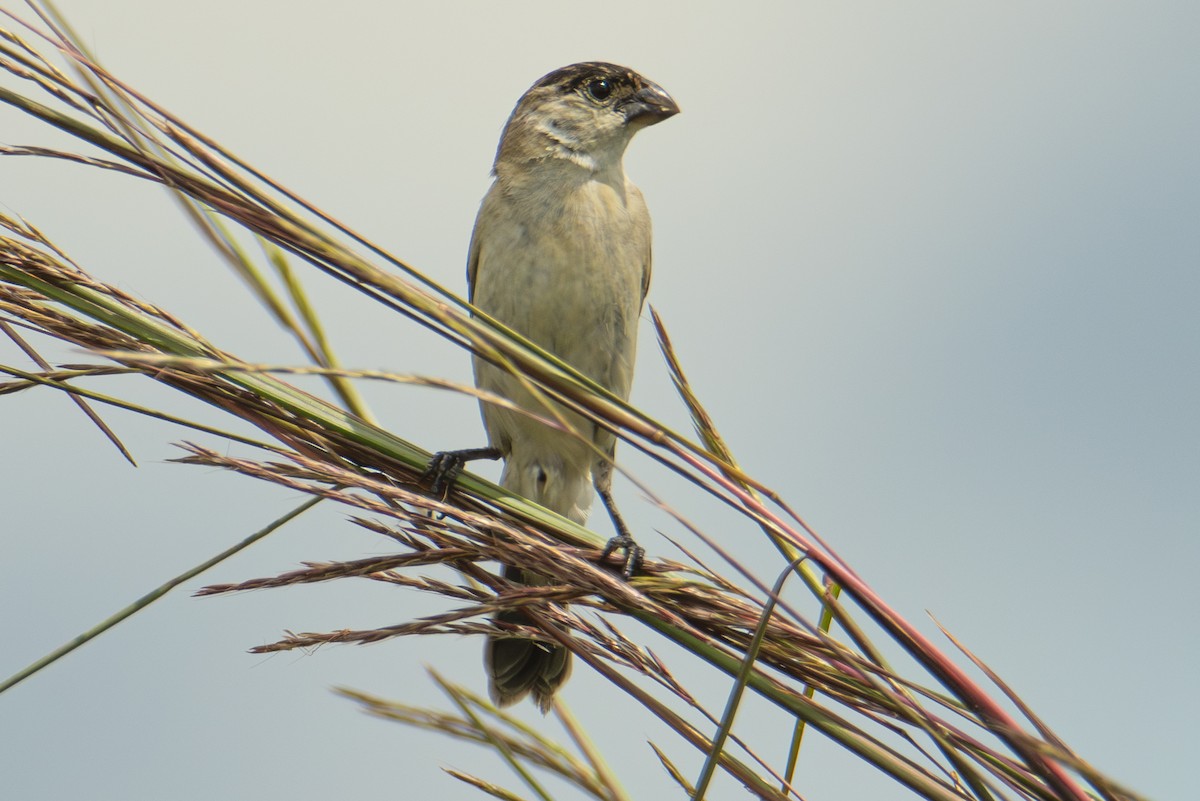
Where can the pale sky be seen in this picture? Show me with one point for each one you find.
(933, 268)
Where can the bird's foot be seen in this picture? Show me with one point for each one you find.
(634, 554)
(444, 467)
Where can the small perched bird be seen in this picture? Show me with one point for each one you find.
(561, 254)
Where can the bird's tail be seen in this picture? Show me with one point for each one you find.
(519, 666)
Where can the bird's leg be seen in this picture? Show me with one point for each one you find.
(623, 542)
(444, 466)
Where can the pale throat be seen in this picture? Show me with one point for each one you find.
(564, 144)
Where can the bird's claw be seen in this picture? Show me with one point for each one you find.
(634, 554)
(444, 467)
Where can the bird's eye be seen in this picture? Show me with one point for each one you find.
(599, 89)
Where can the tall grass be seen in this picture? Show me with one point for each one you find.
(808, 639)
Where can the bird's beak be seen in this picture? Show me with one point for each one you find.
(649, 105)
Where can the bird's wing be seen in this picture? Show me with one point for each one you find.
(646, 270)
(473, 263)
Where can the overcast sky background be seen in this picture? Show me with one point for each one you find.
(932, 266)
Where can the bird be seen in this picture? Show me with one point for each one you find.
(560, 253)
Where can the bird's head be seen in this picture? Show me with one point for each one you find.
(585, 113)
